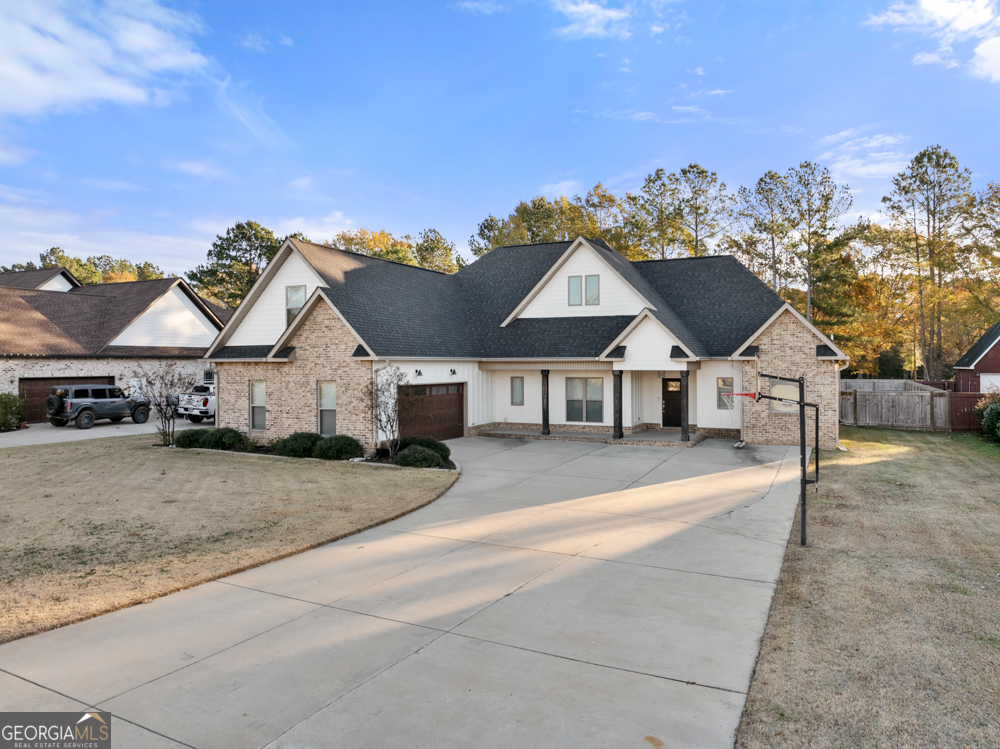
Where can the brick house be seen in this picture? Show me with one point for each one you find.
(560, 337)
(56, 331)
(978, 371)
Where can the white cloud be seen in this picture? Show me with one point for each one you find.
(720, 92)
(657, 28)
(249, 110)
(302, 183)
(591, 19)
(567, 187)
(853, 156)
(689, 108)
(112, 185)
(286, 41)
(316, 229)
(698, 71)
(13, 155)
(949, 22)
(58, 56)
(481, 6)
(255, 43)
(986, 63)
(198, 168)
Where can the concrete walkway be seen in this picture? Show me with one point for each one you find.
(562, 594)
(46, 434)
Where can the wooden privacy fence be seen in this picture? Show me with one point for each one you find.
(878, 385)
(920, 408)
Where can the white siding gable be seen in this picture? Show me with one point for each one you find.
(56, 283)
(648, 347)
(265, 321)
(173, 320)
(617, 297)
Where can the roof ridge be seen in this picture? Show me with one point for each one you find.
(371, 257)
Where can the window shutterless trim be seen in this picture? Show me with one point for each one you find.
(721, 390)
(513, 398)
(254, 407)
(569, 291)
(586, 290)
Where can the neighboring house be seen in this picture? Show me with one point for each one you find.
(978, 371)
(53, 330)
(568, 336)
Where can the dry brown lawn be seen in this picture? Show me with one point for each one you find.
(93, 526)
(885, 630)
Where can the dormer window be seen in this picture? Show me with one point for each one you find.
(593, 290)
(295, 299)
(575, 291)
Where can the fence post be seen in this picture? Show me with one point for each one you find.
(933, 423)
(854, 407)
(949, 410)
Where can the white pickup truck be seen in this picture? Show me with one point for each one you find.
(197, 405)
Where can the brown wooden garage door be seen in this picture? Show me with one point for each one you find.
(35, 390)
(432, 411)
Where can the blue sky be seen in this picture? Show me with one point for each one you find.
(142, 129)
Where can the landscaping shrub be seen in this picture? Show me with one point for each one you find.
(338, 447)
(991, 422)
(985, 402)
(431, 444)
(190, 437)
(416, 456)
(298, 445)
(11, 411)
(224, 439)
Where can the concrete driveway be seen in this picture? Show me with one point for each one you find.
(45, 433)
(562, 594)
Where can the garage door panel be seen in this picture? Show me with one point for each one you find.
(34, 391)
(429, 412)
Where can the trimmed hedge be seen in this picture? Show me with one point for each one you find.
(991, 422)
(431, 444)
(338, 447)
(416, 456)
(298, 445)
(189, 438)
(225, 438)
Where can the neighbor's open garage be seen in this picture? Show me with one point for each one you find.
(34, 391)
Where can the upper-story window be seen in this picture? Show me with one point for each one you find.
(295, 299)
(575, 291)
(584, 290)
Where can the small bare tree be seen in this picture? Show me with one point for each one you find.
(163, 382)
(386, 399)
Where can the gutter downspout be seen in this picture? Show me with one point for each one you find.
(839, 370)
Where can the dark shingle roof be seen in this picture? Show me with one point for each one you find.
(711, 304)
(986, 341)
(79, 322)
(29, 279)
(241, 352)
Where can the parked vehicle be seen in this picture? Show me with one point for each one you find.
(85, 404)
(197, 405)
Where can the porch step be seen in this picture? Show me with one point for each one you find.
(650, 437)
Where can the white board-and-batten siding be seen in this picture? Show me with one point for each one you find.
(616, 296)
(265, 321)
(173, 320)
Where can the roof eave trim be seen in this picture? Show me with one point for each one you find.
(840, 355)
(574, 246)
(646, 314)
(310, 304)
(985, 352)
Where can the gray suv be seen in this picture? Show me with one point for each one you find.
(85, 404)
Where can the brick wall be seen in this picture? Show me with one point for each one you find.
(788, 349)
(12, 369)
(323, 353)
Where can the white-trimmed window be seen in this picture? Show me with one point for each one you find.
(585, 399)
(785, 390)
(723, 387)
(593, 288)
(517, 391)
(575, 291)
(258, 406)
(327, 408)
(295, 300)
(208, 377)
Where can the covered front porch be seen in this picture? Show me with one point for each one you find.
(664, 437)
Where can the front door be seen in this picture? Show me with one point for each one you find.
(671, 403)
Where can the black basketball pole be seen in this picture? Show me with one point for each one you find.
(802, 453)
